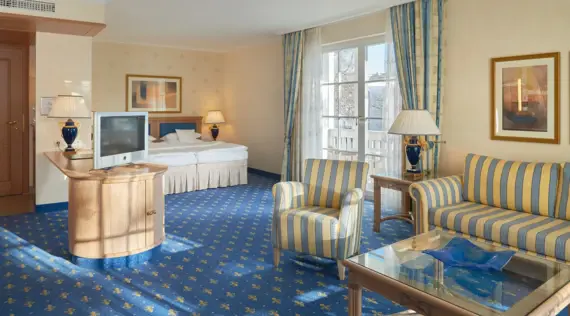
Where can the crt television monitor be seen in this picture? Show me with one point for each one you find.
(119, 138)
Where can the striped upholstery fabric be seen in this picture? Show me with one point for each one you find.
(540, 234)
(323, 215)
(329, 179)
(310, 229)
(434, 193)
(514, 185)
(562, 200)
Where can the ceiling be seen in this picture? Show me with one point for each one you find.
(221, 25)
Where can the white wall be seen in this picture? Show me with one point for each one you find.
(59, 71)
(253, 103)
(476, 32)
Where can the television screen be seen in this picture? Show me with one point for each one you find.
(121, 134)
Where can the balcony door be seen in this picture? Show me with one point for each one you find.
(357, 111)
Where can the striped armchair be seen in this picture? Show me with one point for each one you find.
(322, 216)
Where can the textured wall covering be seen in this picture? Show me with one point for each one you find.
(476, 32)
(201, 74)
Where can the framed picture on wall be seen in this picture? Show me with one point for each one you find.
(45, 105)
(525, 98)
(155, 94)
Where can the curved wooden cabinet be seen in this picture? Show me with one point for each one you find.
(113, 213)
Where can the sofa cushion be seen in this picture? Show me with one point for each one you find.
(514, 185)
(562, 200)
(540, 234)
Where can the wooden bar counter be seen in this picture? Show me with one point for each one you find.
(113, 213)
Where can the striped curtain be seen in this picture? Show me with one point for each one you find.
(293, 56)
(417, 29)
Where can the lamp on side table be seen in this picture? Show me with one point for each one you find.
(69, 106)
(414, 123)
(215, 117)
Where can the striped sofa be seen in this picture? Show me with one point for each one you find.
(521, 205)
(322, 216)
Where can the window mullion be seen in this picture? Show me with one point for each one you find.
(361, 102)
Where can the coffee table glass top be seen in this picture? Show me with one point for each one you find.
(524, 283)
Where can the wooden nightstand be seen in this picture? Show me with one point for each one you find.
(398, 182)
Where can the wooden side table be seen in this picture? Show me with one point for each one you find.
(398, 182)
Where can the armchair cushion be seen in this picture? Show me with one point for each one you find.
(311, 230)
(328, 180)
(288, 195)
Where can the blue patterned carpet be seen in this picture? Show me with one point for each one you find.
(217, 260)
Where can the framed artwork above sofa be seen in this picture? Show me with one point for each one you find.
(525, 98)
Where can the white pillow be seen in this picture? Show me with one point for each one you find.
(187, 135)
(171, 138)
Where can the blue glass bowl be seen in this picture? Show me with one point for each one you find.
(460, 252)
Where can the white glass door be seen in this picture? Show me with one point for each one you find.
(355, 115)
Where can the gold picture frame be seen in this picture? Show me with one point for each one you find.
(153, 94)
(525, 98)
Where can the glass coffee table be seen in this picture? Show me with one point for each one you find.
(400, 272)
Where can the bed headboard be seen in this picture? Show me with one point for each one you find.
(160, 126)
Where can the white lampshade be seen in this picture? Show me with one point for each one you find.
(414, 122)
(69, 106)
(215, 117)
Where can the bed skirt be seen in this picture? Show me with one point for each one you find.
(222, 174)
(180, 179)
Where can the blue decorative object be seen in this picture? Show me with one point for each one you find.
(414, 152)
(460, 252)
(69, 133)
(215, 131)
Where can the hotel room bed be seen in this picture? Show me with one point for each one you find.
(198, 165)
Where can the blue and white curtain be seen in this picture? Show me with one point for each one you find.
(293, 56)
(417, 30)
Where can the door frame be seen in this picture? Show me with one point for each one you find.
(23, 40)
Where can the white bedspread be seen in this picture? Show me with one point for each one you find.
(179, 154)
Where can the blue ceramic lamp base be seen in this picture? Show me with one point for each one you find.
(414, 153)
(69, 134)
(215, 131)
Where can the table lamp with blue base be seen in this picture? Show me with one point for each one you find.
(69, 106)
(414, 123)
(215, 117)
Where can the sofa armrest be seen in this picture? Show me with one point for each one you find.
(289, 195)
(434, 193)
(350, 220)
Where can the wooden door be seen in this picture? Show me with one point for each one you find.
(13, 96)
(154, 212)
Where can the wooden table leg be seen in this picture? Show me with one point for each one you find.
(354, 299)
(377, 207)
(408, 209)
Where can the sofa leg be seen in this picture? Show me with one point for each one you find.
(341, 270)
(276, 256)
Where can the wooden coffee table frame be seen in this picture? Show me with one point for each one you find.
(421, 302)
